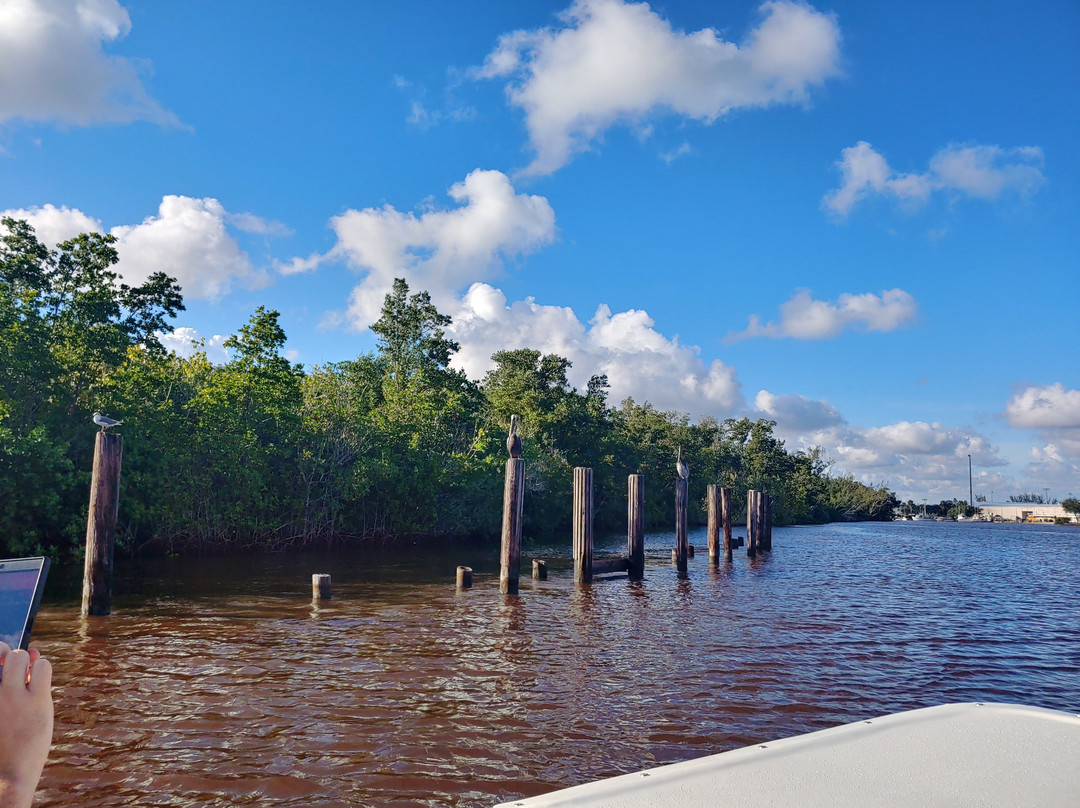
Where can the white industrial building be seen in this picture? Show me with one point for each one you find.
(1022, 512)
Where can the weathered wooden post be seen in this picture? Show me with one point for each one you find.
(539, 570)
(513, 504)
(464, 577)
(635, 527)
(759, 524)
(725, 518)
(768, 522)
(583, 525)
(751, 534)
(320, 586)
(101, 523)
(712, 509)
(682, 503)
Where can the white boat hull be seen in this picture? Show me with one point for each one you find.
(953, 755)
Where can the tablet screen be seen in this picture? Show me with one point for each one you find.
(17, 588)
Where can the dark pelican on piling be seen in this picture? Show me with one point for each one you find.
(513, 440)
(681, 467)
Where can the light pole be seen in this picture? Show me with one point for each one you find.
(971, 494)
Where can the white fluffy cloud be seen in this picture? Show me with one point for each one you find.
(611, 62)
(187, 239)
(186, 341)
(1055, 467)
(796, 414)
(53, 66)
(53, 225)
(914, 458)
(639, 361)
(441, 251)
(1054, 411)
(802, 317)
(982, 172)
(1050, 406)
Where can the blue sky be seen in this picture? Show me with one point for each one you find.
(858, 219)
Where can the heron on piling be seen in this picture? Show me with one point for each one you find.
(513, 440)
(681, 467)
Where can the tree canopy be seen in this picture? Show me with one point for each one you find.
(259, 452)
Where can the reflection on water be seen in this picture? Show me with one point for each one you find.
(220, 683)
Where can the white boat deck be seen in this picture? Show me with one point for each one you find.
(953, 755)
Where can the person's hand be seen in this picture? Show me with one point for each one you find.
(26, 724)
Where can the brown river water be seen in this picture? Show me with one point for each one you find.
(219, 683)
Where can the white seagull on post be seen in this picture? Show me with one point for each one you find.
(105, 421)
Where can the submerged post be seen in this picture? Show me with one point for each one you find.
(712, 508)
(635, 526)
(539, 569)
(513, 504)
(464, 577)
(583, 525)
(320, 586)
(725, 518)
(101, 523)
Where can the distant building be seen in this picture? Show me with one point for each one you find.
(1022, 511)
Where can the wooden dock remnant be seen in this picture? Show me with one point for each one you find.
(635, 526)
(583, 525)
(320, 586)
(682, 504)
(513, 509)
(758, 523)
(101, 523)
(610, 565)
(712, 529)
(751, 525)
(766, 517)
(464, 577)
(539, 568)
(725, 520)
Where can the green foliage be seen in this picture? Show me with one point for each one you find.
(1071, 505)
(1035, 499)
(960, 510)
(259, 453)
(66, 326)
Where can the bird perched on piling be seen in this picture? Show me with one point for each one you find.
(105, 422)
(681, 467)
(513, 440)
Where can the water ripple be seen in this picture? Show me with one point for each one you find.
(401, 691)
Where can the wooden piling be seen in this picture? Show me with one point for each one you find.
(712, 509)
(583, 525)
(751, 534)
(725, 519)
(682, 536)
(320, 586)
(635, 526)
(759, 521)
(768, 506)
(101, 524)
(513, 505)
(464, 577)
(539, 570)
